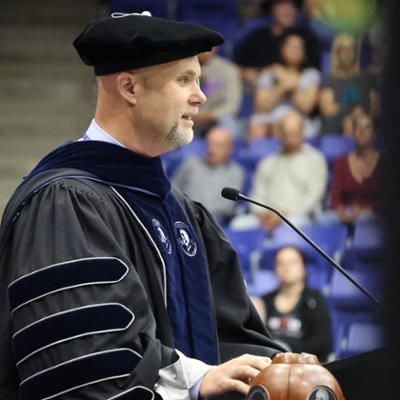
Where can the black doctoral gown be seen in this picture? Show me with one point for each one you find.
(83, 304)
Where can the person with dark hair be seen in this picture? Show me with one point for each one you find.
(260, 48)
(117, 285)
(297, 316)
(288, 85)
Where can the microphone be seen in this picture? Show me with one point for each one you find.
(235, 195)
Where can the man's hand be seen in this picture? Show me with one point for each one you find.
(234, 375)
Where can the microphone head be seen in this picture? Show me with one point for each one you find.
(230, 193)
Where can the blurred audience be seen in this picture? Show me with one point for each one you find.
(261, 47)
(293, 181)
(297, 316)
(221, 83)
(203, 178)
(290, 84)
(347, 92)
(358, 178)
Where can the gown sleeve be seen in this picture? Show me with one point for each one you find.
(79, 323)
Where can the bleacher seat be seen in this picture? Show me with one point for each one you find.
(334, 145)
(247, 244)
(256, 150)
(246, 106)
(347, 304)
(197, 147)
(360, 337)
(202, 9)
(263, 282)
(329, 238)
(173, 159)
(341, 293)
(157, 8)
(368, 247)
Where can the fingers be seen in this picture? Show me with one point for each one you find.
(234, 375)
(256, 362)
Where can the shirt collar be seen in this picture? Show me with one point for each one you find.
(94, 132)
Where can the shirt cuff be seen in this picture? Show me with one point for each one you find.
(195, 390)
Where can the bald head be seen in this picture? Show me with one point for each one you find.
(292, 132)
(220, 145)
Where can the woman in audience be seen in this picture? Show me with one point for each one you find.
(284, 87)
(296, 315)
(346, 92)
(358, 187)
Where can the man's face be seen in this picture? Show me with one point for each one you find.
(321, 395)
(219, 146)
(284, 13)
(167, 98)
(292, 134)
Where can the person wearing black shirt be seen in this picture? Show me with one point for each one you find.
(261, 47)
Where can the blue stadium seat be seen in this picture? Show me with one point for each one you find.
(256, 150)
(173, 159)
(246, 106)
(202, 9)
(197, 147)
(330, 237)
(247, 244)
(360, 337)
(368, 247)
(341, 293)
(263, 282)
(334, 145)
(158, 8)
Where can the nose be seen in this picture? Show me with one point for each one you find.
(198, 97)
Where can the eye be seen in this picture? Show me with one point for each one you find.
(184, 79)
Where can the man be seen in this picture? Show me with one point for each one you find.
(221, 83)
(118, 287)
(202, 178)
(260, 48)
(293, 180)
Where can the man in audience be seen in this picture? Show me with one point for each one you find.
(221, 83)
(202, 178)
(293, 180)
(260, 48)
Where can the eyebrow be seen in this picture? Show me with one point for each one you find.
(190, 72)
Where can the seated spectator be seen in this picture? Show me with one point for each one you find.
(358, 188)
(286, 86)
(292, 181)
(261, 47)
(297, 316)
(203, 178)
(221, 83)
(346, 92)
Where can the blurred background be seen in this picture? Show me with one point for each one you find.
(47, 97)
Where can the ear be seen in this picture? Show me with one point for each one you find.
(126, 86)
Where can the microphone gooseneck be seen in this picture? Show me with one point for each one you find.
(234, 194)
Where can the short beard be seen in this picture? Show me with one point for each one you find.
(177, 137)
